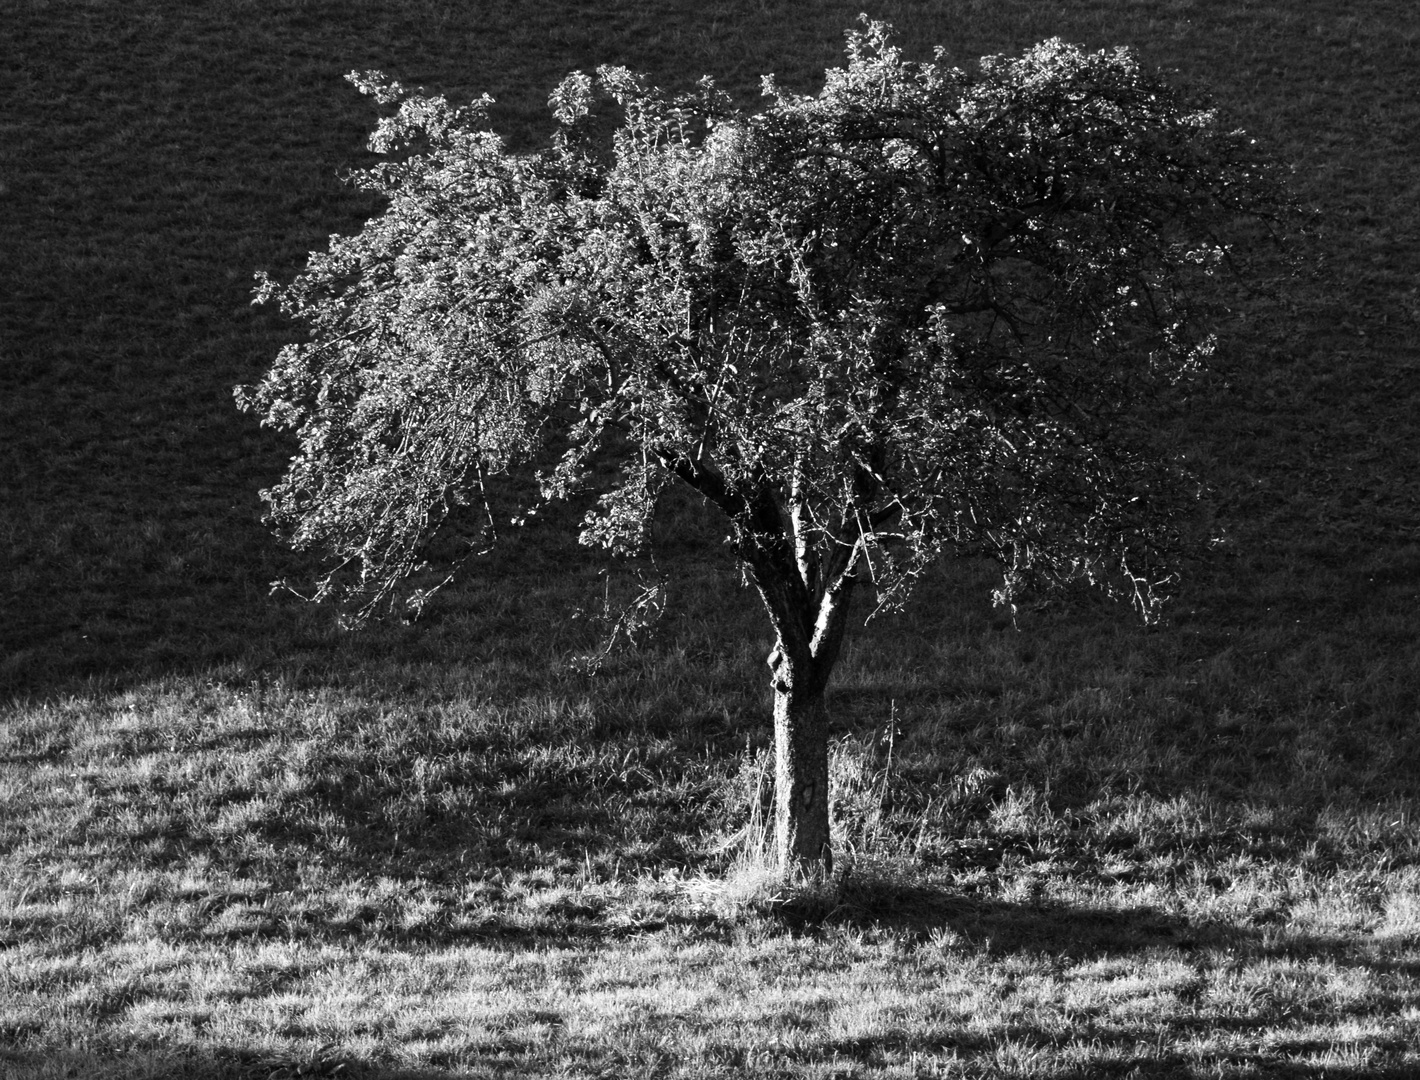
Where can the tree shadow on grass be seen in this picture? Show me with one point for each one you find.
(925, 913)
(922, 912)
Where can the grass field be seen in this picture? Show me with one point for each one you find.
(236, 840)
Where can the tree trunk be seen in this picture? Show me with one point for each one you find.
(802, 843)
(806, 595)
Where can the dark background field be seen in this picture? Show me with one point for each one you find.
(1222, 809)
(155, 155)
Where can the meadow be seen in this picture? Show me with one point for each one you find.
(238, 839)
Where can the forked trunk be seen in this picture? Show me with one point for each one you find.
(802, 844)
(806, 597)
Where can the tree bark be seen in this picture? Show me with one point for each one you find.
(806, 595)
(803, 846)
(800, 666)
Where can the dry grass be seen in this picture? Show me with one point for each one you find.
(236, 840)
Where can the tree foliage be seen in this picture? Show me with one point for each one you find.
(921, 312)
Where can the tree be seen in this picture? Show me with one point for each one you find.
(923, 312)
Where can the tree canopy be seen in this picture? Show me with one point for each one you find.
(921, 312)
